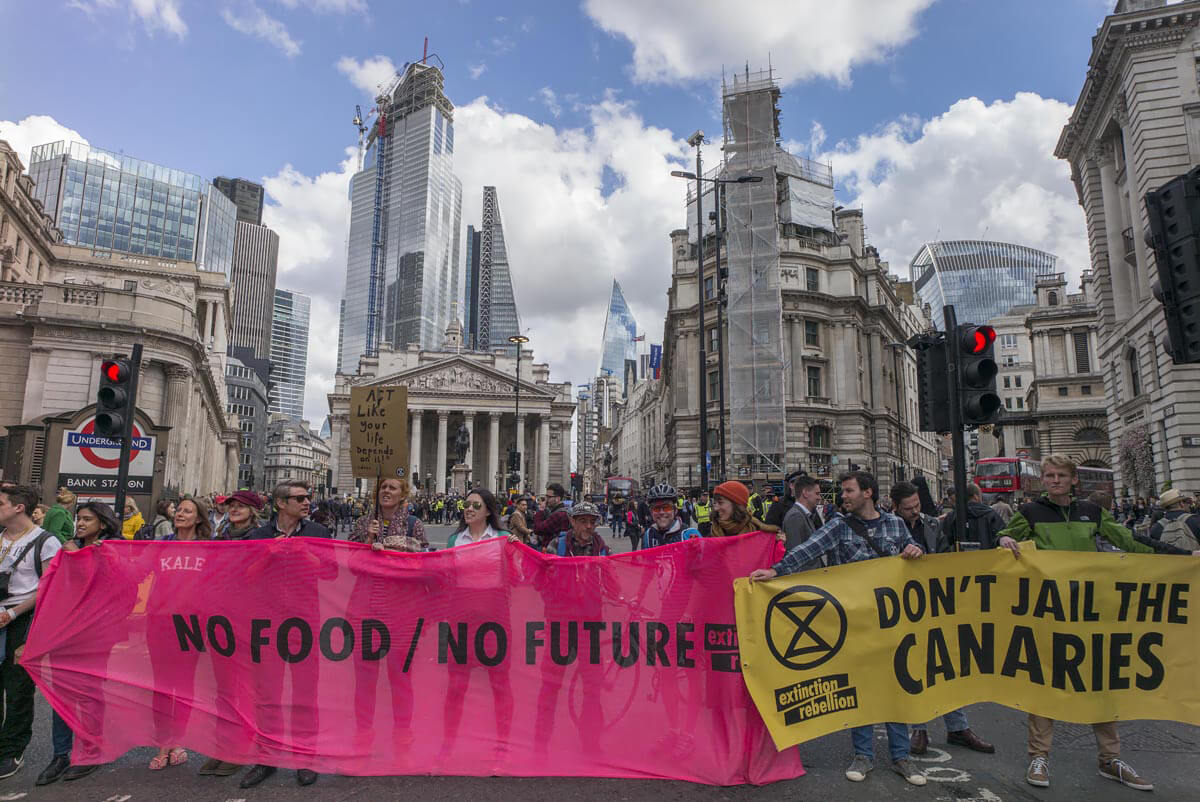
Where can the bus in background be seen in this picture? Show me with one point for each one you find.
(1018, 479)
(1093, 479)
(618, 490)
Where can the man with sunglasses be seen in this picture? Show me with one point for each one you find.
(666, 525)
(292, 499)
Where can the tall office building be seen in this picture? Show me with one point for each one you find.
(405, 209)
(247, 196)
(289, 353)
(491, 308)
(110, 201)
(982, 280)
(619, 331)
(255, 262)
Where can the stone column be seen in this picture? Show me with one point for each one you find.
(177, 401)
(440, 468)
(1118, 270)
(521, 447)
(231, 466)
(414, 449)
(469, 459)
(544, 453)
(493, 481)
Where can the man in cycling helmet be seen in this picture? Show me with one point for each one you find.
(666, 526)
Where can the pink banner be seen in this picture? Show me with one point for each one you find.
(487, 659)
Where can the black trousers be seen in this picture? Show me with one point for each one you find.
(18, 688)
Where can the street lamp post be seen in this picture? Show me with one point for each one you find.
(518, 340)
(696, 140)
(716, 215)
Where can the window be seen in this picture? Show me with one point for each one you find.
(818, 437)
(1006, 382)
(814, 381)
(811, 279)
(1052, 298)
(1018, 380)
(708, 288)
(1020, 403)
(1008, 340)
(1029, 437)
(714, 340)
(812, 333)
(1091, 434)
(1010, 360)
(714, 385)
(1062, 391)
(1083, 362)
(1086, 389)
(1008, 403)
(1135, 377)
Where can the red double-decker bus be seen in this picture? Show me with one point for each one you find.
(1021, 479)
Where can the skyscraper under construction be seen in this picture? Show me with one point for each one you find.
(405, 208)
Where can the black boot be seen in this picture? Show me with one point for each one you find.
(54, 771)
(256, 775)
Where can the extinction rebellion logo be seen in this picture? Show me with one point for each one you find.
(806, 627)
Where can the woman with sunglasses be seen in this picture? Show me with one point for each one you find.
(481, 519)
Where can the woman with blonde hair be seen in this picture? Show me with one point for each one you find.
(59, 521)
(133, 520)
(390, 524)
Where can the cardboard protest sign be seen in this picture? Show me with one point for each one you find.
(379, 432)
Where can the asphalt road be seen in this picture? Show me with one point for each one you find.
(1164, 752)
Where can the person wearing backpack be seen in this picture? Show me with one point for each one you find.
(582, 539)
(25, 551)
(1179, 526)
(983, 523)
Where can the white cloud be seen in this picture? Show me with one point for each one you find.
(476, 70)
(36, 129)
(976, 171)
(257, 23)
(549, 99)
(369, 75)
(155, 15)
(327, 6)
(160, 15)
(680, 40)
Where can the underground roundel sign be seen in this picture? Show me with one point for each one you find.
(89, 462)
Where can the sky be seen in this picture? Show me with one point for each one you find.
(939, 118)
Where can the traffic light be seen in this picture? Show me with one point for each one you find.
(977, 374)
(1174, 213)
(933, 388)
(576, 482)
(514, 461)
(113, 399)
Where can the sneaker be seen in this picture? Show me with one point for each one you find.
(859, 768)
(1122, 772)
(910, 775)
(1038, 772)
(11, 765)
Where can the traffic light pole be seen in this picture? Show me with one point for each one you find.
(959, 455)
(135, 369)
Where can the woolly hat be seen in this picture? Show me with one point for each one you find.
(734, 491)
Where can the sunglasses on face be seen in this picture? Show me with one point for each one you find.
(305, 497)
(662, 508)
(474, 505)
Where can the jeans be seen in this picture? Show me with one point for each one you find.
(61, 735)
(863, 739)
(956, 721)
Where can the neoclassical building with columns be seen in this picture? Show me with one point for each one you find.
(449, 388)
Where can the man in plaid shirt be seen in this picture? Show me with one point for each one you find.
(864, 533)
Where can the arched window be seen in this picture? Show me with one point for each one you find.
(1090, 434)
(1135, 376)
(818, 437)
(1052, 298)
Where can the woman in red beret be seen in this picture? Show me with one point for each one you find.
(730, 502)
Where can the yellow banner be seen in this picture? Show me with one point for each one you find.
(1077, 636)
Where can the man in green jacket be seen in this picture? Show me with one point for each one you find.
(1062, 523)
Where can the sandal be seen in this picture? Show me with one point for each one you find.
(177, 756)
(160, 761)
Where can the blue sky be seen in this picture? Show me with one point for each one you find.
(575, 111)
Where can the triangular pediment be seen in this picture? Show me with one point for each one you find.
(460, 376)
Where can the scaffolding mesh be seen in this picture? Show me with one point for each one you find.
(755, 303)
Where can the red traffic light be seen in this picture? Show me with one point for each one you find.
(976, 339)
(115, 371)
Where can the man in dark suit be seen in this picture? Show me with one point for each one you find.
(803, 518)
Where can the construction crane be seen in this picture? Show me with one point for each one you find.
(362, 132)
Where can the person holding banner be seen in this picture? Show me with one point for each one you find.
(391, 518)
(481, 519)
(1057, 521)
(666, 527)
(730, 513)
(582, 540)
(863, 533)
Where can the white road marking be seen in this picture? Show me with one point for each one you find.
(11, 797)
(947, 774)
(932, 755)
(121, 798)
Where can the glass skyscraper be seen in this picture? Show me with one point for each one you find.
(405, 212)
(289, 353)
(982, 280)
(491, 313)
(110, 201)
(619, 330)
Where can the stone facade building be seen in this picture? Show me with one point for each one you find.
(850, 386)
(1017, 434)
(64, 309)
(295, 451)
(245, 379)
(452, 387)
(1135, 126)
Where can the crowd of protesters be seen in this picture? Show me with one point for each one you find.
(858, 525)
